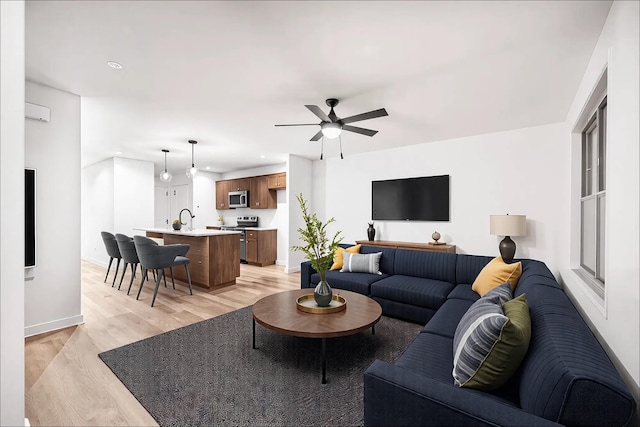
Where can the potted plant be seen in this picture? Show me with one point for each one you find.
(220, 220)
(318, 249)
(177, 225)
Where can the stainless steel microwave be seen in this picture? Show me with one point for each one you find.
(238, 199)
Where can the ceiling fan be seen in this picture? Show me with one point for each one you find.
(331, 125)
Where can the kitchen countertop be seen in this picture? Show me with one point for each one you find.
(199, 232)
(247, 228)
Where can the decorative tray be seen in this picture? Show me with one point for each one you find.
(308, 304)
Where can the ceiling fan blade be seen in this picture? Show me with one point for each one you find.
(301, 124)
(318, 112)
(317, 136)
(365, 116)
(362, 131)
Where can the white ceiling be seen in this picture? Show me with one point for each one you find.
(224, 73)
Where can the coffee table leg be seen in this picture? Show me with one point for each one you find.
(254, 333)
(373, 330)
(324, 360)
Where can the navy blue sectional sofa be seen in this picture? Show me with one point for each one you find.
(565, 378)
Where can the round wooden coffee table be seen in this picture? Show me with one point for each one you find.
(279, 313)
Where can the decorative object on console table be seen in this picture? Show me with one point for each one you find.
(177, 225)
(318, 249)
(507, 226)
(436, 236)
(371, 232)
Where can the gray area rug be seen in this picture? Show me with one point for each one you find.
(208, 374)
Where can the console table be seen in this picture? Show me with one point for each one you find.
(409, 245)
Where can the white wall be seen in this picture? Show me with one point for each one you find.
(299, 175)
(117, 196)
(97, 209)
(52, 296)
(620, 328)
(521, 171)
(12, 202)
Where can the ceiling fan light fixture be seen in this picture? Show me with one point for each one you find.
(165, 176)
(331, 130)
(193, 170)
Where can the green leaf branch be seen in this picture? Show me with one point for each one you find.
(318, 249)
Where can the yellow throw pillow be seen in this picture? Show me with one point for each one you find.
(337, 258)
(495, 274)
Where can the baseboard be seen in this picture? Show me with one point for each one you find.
(95, 261)
(27, 423)
(292, 269)
(54, 325)
(280, 262)
(624, 374)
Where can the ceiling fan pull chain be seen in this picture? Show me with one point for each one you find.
(322, 149)
(340, 136)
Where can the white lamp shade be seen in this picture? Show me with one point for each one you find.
(508, 225)
(331, 130)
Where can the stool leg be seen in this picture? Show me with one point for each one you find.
(186, 267)
(155, 293)
(164, 276)
(108, 268)
(116, 276)
(124, 270)
(172, 281)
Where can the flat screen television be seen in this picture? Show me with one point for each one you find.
(411, 199)
(29, 217)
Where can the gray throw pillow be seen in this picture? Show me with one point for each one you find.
(361, 263)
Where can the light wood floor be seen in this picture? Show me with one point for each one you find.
(67, 384)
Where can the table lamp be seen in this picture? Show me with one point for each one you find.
(508, 225)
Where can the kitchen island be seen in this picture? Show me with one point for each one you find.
(214, 255)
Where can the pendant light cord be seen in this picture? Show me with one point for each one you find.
(192, 164)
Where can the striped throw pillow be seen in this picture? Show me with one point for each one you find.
(478, 331)
(361, 263)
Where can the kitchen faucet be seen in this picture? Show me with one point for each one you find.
(191, 220)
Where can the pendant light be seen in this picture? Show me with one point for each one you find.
(193, 170)
(165, 176)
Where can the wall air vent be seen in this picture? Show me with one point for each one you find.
(37, 112)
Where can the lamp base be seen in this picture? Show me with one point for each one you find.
(507, 249)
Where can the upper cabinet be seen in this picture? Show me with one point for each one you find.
(240, 184)
(262, 190)
(260, 196)
(222, 194)
(277, 181)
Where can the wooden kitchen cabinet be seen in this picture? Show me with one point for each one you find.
(260, 196)
(240, 184)
(261, 247)
(277, 181)
(222, 194)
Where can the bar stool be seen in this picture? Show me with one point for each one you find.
(113, 251)
(129, 256)
(156, 257)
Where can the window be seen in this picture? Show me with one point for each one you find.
(593, 198)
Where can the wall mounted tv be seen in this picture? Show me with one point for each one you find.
(411, 199)
(29, 217)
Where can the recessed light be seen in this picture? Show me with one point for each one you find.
(262, 156)
(115, 65)
(119, 152)
(208, 168)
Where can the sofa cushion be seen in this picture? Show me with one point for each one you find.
(361, 263)
(337, 258)
(469, 266)
(566, 374)
(387, 260)
(428, 265)
(446, 319)
(412, 290)
(464, 292)
(495, 274)
(355, 282)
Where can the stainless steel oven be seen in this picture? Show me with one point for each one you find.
(243, 222)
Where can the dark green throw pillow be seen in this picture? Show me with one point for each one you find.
(508, 351)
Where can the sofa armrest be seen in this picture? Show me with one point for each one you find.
(306, 270)
(397, 396)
